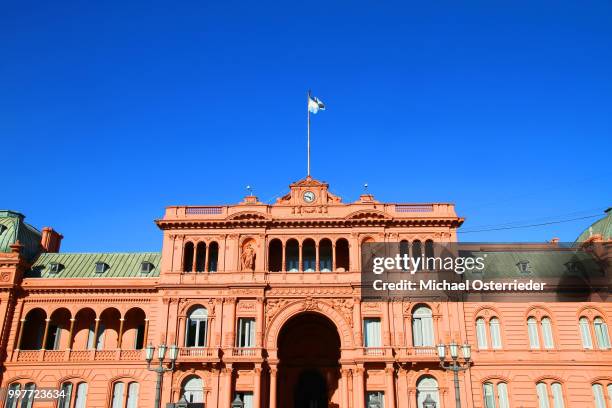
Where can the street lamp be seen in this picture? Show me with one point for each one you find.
(161, 368)
(455, 365)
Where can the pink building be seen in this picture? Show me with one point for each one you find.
(263, 303)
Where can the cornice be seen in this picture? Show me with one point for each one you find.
(310, 223)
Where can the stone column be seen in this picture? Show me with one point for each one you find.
(230, 331)
(359, 388)
(228, 373)
(20, 335)
(317, 257)
(345, 391)
(44, 343)
(259, 323)
(70, 336)
(357, 322)
(120, 337)
(273, 373)
(390, 380)
(284, 265)
(300, 266)
(334, 257)
(257, 386)
(181, 339)
(97, 327)
(206, 257)
(386, 340)
(146, 333)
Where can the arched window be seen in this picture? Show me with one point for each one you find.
(193, 389)
(72, 399)
(33, 330)
(275, 255)
(599, 391)
(125, 395)
(197, 328)
(404, 250)
(342, 255)
(427, 386)
(23, 400)
(601, 333)
(481, 333)
(417, 252)
(585, 333)
(200, 257)
(545, 327)
(325, 255)
(495, 330)
(422, 327)
(496, 395)
(547, 333)
(187, 258)
(550, 395)
(292, 255)
(213, 257)
(309, 255)
(429, 248)
(532, 330)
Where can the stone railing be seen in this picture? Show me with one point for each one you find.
(55, 356)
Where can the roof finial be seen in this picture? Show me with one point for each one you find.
(250, 190)
(365, 188)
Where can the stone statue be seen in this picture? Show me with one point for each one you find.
(247, 259)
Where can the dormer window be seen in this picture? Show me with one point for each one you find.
(55, 267)
(524, 267)
(3, 228)
(146, 267)
(101, 267)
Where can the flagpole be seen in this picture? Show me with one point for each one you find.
(308, 112)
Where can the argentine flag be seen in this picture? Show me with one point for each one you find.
(315, 105)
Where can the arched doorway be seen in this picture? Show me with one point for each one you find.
(309, 351)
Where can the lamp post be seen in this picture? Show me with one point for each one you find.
(455, 365)
(161, 368)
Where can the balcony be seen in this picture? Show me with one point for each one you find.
(377, 353)
(56, 356)
(245, 354)
(198, 354)
(426, 354)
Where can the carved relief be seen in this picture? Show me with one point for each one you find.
(344, 306)
(273, 306)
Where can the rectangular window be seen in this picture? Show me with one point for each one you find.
(585, 333)
(489, 396)
(532, 329)
(246, 332)
(542, 395)
(64, 401)
(481, 334)
(502, 395)
(496, 342)
(375, 399)
(371, 332)
(601, 333)
(81, 396)
(547, 333)
(600, 401)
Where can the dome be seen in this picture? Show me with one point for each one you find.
(602, 227)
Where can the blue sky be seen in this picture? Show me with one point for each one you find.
(110, 111)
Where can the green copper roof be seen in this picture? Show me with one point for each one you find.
(542, 264)
(13, 229)
(601, 227)
(118, 265)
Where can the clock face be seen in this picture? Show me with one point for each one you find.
(309, 196)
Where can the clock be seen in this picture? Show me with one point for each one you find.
(309, 196)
